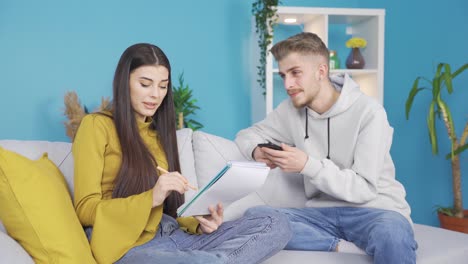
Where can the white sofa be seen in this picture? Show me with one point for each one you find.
(202, 155)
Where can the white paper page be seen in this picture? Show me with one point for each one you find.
(240, 180)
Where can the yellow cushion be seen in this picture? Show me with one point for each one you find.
(37, 211)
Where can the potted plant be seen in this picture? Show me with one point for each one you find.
(264, 12)
(185, 105)
(439, 109)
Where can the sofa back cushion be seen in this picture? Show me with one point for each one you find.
(37, 211)
(187, 163)
(12, 252)
(211, 154)
(58, 152)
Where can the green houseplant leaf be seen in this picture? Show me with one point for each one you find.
(185, 104)
(414, 91)
(460, 70)
(439, 109)
(447, 76)
(432, 128)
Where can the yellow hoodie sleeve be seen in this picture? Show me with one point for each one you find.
(189, 224)
(118, 224)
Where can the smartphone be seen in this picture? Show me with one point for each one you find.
(270, 145)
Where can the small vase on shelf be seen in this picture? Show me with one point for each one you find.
(355, 59)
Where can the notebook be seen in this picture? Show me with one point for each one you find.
(236, 180)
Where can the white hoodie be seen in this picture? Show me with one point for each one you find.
(356, 136)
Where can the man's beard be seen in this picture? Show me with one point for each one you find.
(299, 103)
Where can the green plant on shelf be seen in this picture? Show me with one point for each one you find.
(185, 105)
(265, 19)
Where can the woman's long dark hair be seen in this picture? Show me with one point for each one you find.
(138, 172)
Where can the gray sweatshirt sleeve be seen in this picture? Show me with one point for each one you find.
(274, 128)
(357, 184)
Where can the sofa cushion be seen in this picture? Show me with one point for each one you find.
(211, 154)
(322, 257)
(435, 246)
(58, 152)
(187, 163)
(11, 252)
(37, 211)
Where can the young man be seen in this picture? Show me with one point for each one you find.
(342, 145)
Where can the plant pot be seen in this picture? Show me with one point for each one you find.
(355, 59)
(454, 223)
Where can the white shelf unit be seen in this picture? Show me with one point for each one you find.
(366, 23)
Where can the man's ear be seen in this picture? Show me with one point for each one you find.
(322, 72)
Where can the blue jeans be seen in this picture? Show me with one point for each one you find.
(253, 238)
(383, 234)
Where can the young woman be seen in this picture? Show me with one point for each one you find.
(128, 205)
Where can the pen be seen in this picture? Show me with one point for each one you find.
(186, 182)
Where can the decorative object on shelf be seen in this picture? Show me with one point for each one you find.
(355, 59)
(265, 19)
(334, 60)
(185, 105)
(438, 108)
(74, 111)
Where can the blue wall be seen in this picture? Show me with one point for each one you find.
(49, 47)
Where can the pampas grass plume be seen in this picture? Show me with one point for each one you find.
(75, 112)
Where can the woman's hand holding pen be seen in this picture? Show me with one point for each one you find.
(168, 182)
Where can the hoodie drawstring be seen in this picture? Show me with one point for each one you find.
(306, 126)
(328, 135)
(328, 131)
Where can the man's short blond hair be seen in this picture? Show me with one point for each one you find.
(305, 43)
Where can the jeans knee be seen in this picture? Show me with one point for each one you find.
(396, 235)
(277, 221)
(393, 242)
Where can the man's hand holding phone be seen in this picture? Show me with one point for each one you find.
(289, 159)
(270, 145)
(259, 154)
